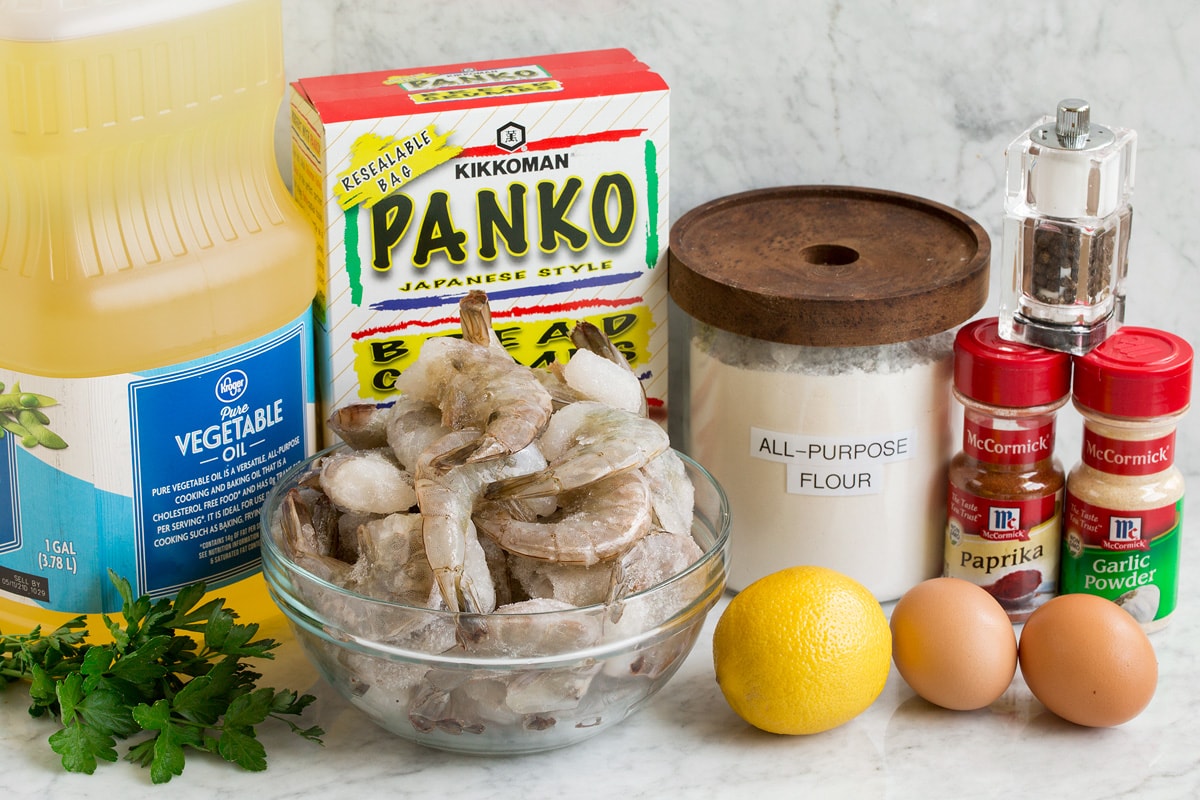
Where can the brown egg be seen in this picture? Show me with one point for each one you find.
(1088, 660)
(953, 643)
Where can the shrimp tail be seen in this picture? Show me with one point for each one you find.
(363, 426)
(485, 448)
(459, 591)
(618, 590)
(488, 448)
(308, 528)
(589, 337)
(449, 586)
(535, 484)
(475, 314)
(469, 597)
(455, 457)
(470, 629)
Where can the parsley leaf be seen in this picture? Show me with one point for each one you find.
(172, 676)
(167, 757)
(80, 745)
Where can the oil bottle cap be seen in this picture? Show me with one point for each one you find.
(992, 370)
(57, 20)
(1136, 372)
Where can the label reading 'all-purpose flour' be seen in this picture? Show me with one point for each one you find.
(158, 475)
(822, 465)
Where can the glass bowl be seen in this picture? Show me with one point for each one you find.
(528, 682)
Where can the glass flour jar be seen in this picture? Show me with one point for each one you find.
(820, 332)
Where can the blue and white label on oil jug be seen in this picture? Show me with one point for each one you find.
(158, 475)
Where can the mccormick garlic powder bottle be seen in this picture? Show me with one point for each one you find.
(1125, 498)
(1006, 488)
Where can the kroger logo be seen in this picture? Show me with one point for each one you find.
(231, 385)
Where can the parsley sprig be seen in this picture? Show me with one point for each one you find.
(172, 675)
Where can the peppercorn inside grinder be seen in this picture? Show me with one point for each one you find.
(1066, 231)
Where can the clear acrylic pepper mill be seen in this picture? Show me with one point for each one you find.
(1067, 218)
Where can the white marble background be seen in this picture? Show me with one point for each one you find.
(916, 96)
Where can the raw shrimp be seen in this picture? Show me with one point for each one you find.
(656, 558)
(653, 559)
(413, 425)
(308, 532)
(480, 387)
(519, 630)
(586, 442)
(507, 586)
(347, 534)
(370, 481)
(327, 568)
(570, 583)
(560, 393)
(438, 705)
(587, 336)
(673, 492)
(446, 499)
(593, 523)
(363, 426)
(599, 370)
(533, 628)
(537, 696)
(392, 564)
(309, 523)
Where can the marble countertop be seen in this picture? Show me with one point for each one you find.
(686, 742)
(921, 99)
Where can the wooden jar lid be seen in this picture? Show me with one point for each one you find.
(828, 266)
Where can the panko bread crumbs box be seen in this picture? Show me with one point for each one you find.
(541, 181)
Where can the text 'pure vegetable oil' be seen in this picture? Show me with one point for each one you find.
(156, 283)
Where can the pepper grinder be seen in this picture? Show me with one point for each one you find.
(1066, 231)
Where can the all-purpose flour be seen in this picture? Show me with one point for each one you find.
(821, 352)
(833, 456)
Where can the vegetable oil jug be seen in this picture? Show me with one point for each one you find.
(156, 283)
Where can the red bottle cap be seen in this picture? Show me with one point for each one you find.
(992, 370)
(1136, 372)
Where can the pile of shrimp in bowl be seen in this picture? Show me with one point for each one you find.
(504, 560)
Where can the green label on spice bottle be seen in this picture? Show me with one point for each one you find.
(1130, 557)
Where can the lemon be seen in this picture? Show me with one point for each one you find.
(802, 650)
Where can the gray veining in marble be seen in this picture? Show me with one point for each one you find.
(918, 97)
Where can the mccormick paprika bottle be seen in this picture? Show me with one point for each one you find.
(1125, 498)
(1006, 486)
(156, 280)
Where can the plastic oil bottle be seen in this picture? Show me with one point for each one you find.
(156, 283)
